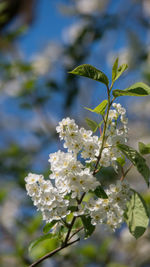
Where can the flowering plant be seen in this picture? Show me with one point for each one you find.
(73, 198)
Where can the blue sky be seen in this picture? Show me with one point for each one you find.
(48, 25)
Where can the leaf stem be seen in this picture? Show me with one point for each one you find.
(104, 131)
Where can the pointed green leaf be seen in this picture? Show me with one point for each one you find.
(49, 226)
(137, 89)
(117, 72)
(100, 109)
(138, 161)
(120, 70)
(92, 124)
(114, 69)
(136, 215)
(91, 72)
(88, 227)
(144, 149)
(38, 240)
(99, 192)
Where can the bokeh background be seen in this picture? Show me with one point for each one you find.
(40, 42)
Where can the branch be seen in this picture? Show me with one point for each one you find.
(77, 231)
(69, 231)
(53, 252)
(126, 172)
(73, 221)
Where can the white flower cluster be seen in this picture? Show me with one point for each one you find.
(46, 197)
(70, 175)
(80, 140)
(110, 211)
(70, 179)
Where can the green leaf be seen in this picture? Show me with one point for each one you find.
(88, 227)
(72, 208)
(114, 69)
(92, 124)
(33, 224)
(89, 251)
(137, 89)
(120, 70)
(144, 149)
(99, 192)
(49, 226)
(100, 109)
(137, 160)
(121, 160)
(136, 215)
(91, 72)
(39, 240)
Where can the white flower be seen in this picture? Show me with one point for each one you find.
(113, 114)
(85, 134)
(33, 190)
(66, 125)
(33, 178)
(89, 6)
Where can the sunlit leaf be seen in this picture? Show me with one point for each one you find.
(114, 69)
(121, 160)
(39, 240)
(144, 149)
(100, 109)
(137, 89)
(91, 72)
(49, 226)
(120, 70)
(136, 215)
(92, 124)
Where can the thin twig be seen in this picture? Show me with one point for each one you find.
(130, 167)
(53, 252)
(73, 220)
(69, 231)
(126, 172)
(77, 231)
